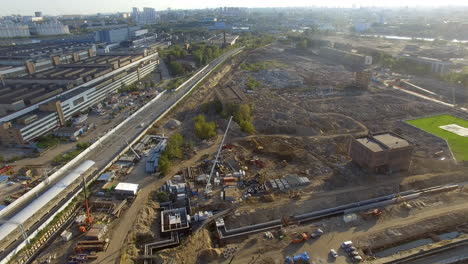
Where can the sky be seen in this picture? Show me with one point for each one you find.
(62, 7)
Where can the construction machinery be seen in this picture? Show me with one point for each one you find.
(372, 214)
(84, 226)
(299, 238)
(258, 147)
(208, 187)
(402, 201)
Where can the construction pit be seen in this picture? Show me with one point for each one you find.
(306, 113)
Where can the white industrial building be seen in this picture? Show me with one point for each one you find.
(51, 28)
(14, 30)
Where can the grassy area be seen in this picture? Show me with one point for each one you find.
(458, 144)
(47, 141)
(66, 157)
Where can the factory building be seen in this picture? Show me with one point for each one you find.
(33, 105)
(382, 152)
(50, 28)
(14, 30)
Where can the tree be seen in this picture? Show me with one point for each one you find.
(164, 163)
(162, 197)
(174, 146)
(203, 129)
(247, 127)
(244, 113)
(176, 68)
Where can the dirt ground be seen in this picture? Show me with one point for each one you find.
(305, 115)
(431, 214)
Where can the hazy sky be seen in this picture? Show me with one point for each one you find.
(56, 7)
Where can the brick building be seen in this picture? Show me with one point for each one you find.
(382, 152)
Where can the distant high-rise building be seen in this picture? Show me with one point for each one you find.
(135, 13)
(148, 16)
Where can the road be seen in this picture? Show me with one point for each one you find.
(115, 144)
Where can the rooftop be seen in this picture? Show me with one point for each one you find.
(174, 219)
(383, 141)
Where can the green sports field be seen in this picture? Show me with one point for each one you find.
(458, 144)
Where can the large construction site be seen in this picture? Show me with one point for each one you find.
(333, 173)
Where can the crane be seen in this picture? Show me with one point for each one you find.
(208, 187)
(89, 220)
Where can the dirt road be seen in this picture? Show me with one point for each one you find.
(126, 221)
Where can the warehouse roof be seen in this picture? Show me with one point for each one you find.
(383, 141)
(127, 187)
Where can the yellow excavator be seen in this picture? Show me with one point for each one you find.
(258, 147)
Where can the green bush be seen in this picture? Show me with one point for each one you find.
(128, 88)
(252, 83)
(176, 68)
(247, 127)
(47, 141)
(203, 129)
(62, 158)
(174, 146)
(162, 197)
(164, 164)
(242, 115)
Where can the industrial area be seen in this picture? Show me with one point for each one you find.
(141, 146)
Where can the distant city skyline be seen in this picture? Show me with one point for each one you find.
(65, 7)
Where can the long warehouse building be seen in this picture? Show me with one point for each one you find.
(33, 105)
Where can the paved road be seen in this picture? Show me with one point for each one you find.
(114, 144)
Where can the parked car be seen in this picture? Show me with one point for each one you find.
(353, 254)
(356, 259)
(333, 253)
(317, 233)
(347, 244)
(350, 249)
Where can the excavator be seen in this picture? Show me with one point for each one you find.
(372, 213)
(258, 147)
(89, 220)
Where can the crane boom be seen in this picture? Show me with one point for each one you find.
(208, 182)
